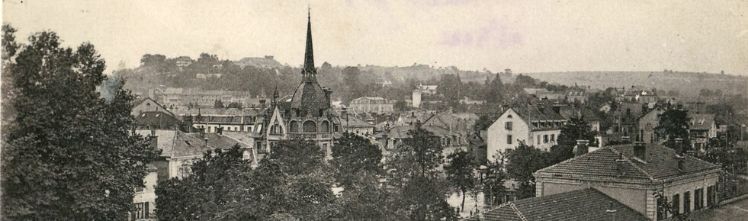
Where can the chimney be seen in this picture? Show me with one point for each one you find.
(581, 147)
(679, 145)
(619, 164)
(681, 162)
(640, 151)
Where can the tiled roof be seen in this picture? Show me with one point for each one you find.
(355, 122)
(701, 121)
(588, 115)
(536, 113)
(660, 164)
(585, 205)
(179, 144)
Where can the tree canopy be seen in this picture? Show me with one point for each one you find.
(69, 154)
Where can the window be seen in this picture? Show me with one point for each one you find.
(687, 202)
(698, 196)
(676, 204)
(545, 138)
(710, 196)
(538, 139)
(310, 126)
(508, 125)
(509, 139)
(553, 138)
(661, 212)
(141, 210)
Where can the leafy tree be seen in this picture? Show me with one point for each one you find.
(495, 91)
(493, 182)
(9, 49)
(365, 199)
(234, 105)
(401, 106)
(218, 104)
(413, 173)
(69, 154)
(460, 173)
(673, 124)
(209, 190)
(522, 162)
(575, 129)
(483, 122)
(353, 155)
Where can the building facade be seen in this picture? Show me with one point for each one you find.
(532, 125)
(306, 115)
(636, 175)
(377, 105)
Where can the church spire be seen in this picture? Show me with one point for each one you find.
(309, 54)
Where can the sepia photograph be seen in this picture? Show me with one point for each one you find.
(296, 110)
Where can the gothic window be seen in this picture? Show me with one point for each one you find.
(310, 126)
(325, 128)
(294, 125)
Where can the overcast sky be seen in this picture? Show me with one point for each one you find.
(527, 36)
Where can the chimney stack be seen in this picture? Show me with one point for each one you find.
(581, 148)
(640, 151)
(619, 164)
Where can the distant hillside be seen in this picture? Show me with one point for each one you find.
(686, 83)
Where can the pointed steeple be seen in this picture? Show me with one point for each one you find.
(275, 95)
(309, 53)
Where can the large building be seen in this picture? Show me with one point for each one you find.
(635, 175)
(306, 115)
(532, 125)
(377, 105)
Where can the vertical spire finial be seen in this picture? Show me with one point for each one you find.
(309, 71)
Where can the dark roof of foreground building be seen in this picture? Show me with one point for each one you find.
(620, 162)
(586, 204)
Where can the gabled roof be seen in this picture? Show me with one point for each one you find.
(534, 113)
(618, 162)
(701, 121)
(585, 204)
(576, 112)
(179, 144)
(355, 122)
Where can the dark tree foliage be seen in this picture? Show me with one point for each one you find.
(575, 129)
(494, 93)
(69, 154)
(290, 182)
(493, 183)
(522, 162)
(414, 176)
(353, 156)
(218, 104)
(365, 199)
(460, 173)
(673, 123)
(208, 191)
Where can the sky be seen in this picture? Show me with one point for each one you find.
(526, 36)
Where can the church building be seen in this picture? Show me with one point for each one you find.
(306, 115)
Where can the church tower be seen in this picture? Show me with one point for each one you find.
(308, 115)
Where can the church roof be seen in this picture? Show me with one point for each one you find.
(309, 96)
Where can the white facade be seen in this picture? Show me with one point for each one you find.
(416, 98)
(510, 129)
